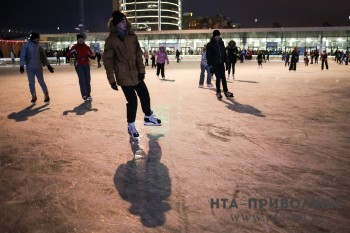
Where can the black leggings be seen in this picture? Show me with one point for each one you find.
(131, 98)
(231, 64)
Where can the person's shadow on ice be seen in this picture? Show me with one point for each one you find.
(243, 108)
(144, 182)
(81, 109)
(29, 111)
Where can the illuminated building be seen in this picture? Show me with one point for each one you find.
(151, 15)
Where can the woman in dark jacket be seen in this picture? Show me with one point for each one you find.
(232, 53)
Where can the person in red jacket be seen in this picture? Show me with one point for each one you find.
(81, 52)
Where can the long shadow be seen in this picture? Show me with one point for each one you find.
(233, 105)
(245, 81)
(242, 108)
(27, 112)
(144, 182)
(81, 109)
(167, 80)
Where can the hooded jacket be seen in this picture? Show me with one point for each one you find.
(122, 57)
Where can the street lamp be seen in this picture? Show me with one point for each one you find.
(256, 22)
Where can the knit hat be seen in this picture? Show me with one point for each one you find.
(80, 36)
(216, 33)
(34, 36)
(118, 17)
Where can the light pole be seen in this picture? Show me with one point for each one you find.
(256, 22)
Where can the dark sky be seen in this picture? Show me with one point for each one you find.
(45, 16)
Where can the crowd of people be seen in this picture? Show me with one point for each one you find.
(125, 62)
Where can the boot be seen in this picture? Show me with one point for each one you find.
(33, 98)
(47, 98)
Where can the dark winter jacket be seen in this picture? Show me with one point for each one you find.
(295, 56)
(122, 57)
(232, 53)
(216, 52)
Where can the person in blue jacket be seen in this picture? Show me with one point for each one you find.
(33, 57)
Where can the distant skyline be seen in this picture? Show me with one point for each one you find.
(63, 16)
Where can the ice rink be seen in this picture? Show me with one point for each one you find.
(276, 158)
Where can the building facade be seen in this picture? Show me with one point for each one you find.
(191, 42)
(152, 15)
(276, 40)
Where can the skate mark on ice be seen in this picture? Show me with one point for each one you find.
(216, 132)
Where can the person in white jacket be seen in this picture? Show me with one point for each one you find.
(33, 56)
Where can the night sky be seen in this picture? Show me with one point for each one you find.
(45, 16)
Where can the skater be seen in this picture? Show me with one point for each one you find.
(217, 59)
(33, 56)
(204, 67)
(232, 53)
(146, 55)
(306, 59)
(81, 52)
(177, 55)
(324, 60)
(294, 59)
(286, 59)
(162, 57)
(58, 57)
(153, 59)
(98, 56)
(316, 57)
(259, 58)
(124, 66)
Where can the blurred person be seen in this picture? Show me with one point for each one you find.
(317, 54)
(153, 59)
(217, 60)
(294, 59)
(146, 55)
(286, 59)
(98, 57)
(177, 55)
(124, 66)
(81, 52)
(33, 57)
(259, 58)
(204, 67)
(232, 53)
(324, 58)
(306, 59)
(161, 57)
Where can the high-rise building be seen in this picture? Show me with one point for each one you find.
(155, 15)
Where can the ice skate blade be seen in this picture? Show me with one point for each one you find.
(151, 124)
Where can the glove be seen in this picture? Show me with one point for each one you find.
(21, 69)
(141, 76)
(114, 86)
(51, 69)
(211, 70)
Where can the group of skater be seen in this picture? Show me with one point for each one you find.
(125, 67)
(123, 62)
